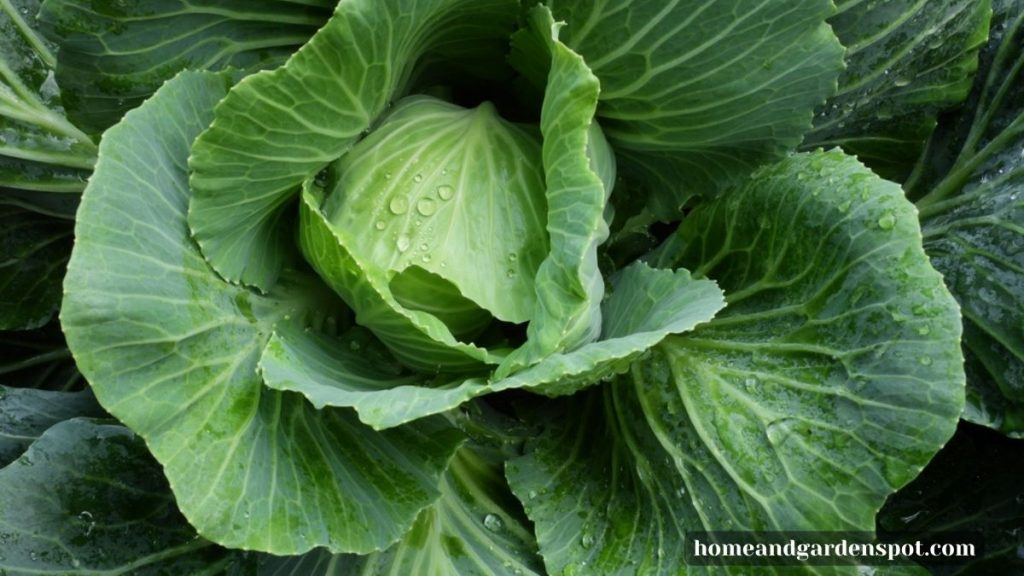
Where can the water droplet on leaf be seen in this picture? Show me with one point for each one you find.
(398, 205)
(493, 522)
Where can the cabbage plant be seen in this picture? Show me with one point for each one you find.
(500, 287)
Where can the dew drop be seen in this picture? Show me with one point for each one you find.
(512, 257)
(424, 247)
(493, 522)
(445, 192)
(426, 258)
(587, 540)
(426, 206)
(887, 221)
(417, 178)
(924, 330)
(380, 225)
(510, 273)
(532, 494)
(387, 175)
(398, 205)
(925, 360)
(403, 243)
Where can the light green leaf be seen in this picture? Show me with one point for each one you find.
(476, 528)
(644, 307)
(40, 149)
(970, 190)
(277, 128)
(906, 61)
(88, 499)
(828, 382)
(709, 89)
(457, 192)
(25, 414)
(33, 254)
(114, 54)
(171, 350)
(569, 285)
(350, 372)
(417, 338)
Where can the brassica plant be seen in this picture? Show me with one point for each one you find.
(473, 287)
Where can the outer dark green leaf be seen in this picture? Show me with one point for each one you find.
(906, 61)
(39, 149)
(830, 379)
(972, 486)
(703, 90)
(114, 54)
(277, 128)
(476, 528)
(171, 350)
(38, 359)
(26, 414)
(33, 255)
(88, 499)
(971, 198)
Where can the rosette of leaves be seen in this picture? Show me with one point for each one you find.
(300, 286)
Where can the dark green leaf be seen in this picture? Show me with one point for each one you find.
(972, 486)
(114, 54)
(33, 256)
(40, 149)
(38, 359)
(697, 93)
(970, 190)
(906, 61)
(88, 499)
(25, 414)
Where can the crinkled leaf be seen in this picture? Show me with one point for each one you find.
(704, 90)
(277, 128)
(86, 499)
(476, 528)
(33, 255)
(906, 61)
(644, 307)
(114, 54)
(171, 350)
(40, 149)
(830, 379)
(25, 414)
(416, 337)
(971, 189)
(569, 285)
(348, 372)
(972, 486)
